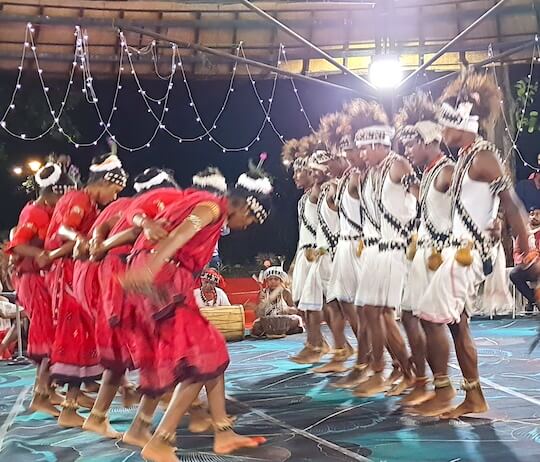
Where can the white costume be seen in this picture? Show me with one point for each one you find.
(346, 265)
(474, 208)
(316, 286)
(396, 215)
(221, 299)
(307, 226)
(433, 234)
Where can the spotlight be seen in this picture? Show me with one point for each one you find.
(17, 171)
(34, 165)
(385, 71)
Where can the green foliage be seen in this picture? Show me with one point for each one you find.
(526, 119)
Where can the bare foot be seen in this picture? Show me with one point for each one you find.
(440, 403)
(474, 403)
(41, 403)
(101, 426)
(395, 376)
(199, 420)
(310, 356)
(55, 398)
(137, 435)
(372, 386)
(400, 387)
(130, 396)
(85, 401)
(331, 368)
(227, 442)
(353, 379)
(70, 419)
(418, 395)
(157, 450)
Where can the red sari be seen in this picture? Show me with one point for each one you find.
(113, 330)
(74, 356)
(173, 342)
(29, 282)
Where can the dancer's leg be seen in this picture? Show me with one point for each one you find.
(98, 421)
(69, 417)
(41, 402)
(138, 433)
(351, 315)
(160, 447)
(316, 347)
(226, 440)
(439, 353)
(396, 345)
(468, 362)
(376, 383)
(417, 343)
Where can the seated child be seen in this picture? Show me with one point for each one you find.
(276, 300)
(211, 293)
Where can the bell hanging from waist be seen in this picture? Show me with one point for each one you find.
(435, 260)
(311, 254)
(411, 248)
(464, 254)
(360, 247)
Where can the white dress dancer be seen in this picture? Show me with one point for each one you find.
(346, 265)
(433, 235)
(315, 291)
(455, 285)
(307, 225)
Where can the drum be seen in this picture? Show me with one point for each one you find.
(275, 326)
(229, 320)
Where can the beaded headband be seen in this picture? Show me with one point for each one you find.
(375, 134)
(300, 163)
(118, 177)
(257, 209)
(459, 118)
(275, 271)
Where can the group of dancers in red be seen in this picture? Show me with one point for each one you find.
(108, 284)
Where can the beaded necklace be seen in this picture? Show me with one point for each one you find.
(331, 238)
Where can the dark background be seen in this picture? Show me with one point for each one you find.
(237, 126)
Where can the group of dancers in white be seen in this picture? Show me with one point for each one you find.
(414, 232)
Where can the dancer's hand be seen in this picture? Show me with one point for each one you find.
(43, 259)
(153, 231)
(80, 251)
(96, 249)
(495, 231)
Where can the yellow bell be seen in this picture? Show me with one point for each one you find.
(434, 260)
(360, 247)
(464, 254)
(411, 249)
(311, 254)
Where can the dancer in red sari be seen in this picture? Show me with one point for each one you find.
(74, 358)
(110, 246)
(26, 246)
(187, 349)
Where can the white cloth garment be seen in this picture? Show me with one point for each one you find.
(221, 299)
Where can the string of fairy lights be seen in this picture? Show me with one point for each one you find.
(519, 125)
(158, 106)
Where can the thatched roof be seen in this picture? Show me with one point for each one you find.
(352, 31)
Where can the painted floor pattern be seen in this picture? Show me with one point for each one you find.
(305, 419)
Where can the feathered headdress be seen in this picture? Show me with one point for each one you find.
(290, 151)
(255, 186)
(328, 132)
(417, 120)
(108, 167)
(470, 101)
(369, 123)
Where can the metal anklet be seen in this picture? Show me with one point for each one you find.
(70, 404)
(167, 437)
(145, 420)
(225, 426)
(468, 385)
(99, 416)
(360, 367)
(421, 381)
(442, 381)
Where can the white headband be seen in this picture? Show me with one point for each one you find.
(214, 181)
(428, 131)
(256, 185)
(52, 179)
(375, 134)
(161, 177)
(110, 163)
(460, 118)
(275, 271)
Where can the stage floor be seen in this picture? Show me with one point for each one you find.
(306, 420)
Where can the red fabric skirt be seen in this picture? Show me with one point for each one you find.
(86, 285)
(74, 356)
(181, 346)
(112, 337)
(33, 295)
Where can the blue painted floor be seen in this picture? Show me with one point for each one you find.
(306, 420)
